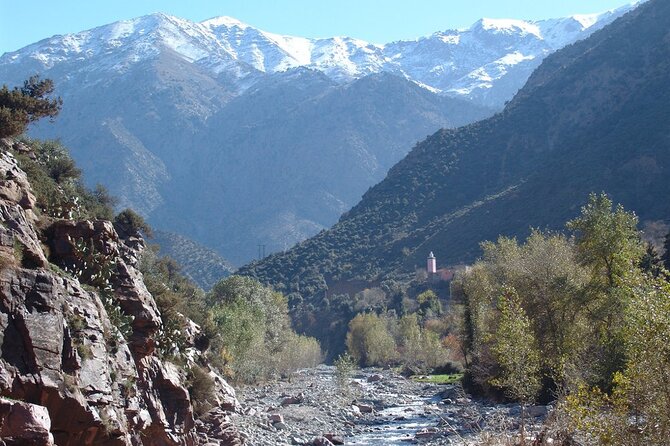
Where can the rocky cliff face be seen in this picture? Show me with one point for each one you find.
(68, 375)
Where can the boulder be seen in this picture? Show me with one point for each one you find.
(334, 438)
(276, 418)
(215, 427)
(18, 238)
(364, 408)
(295, 399)
(375, 378)
(320, 441)
(24, 424)
(168, 402)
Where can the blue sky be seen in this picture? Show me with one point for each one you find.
(377, 21)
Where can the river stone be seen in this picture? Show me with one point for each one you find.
(297, 399)
(375, 378)
(364, 408)
(276, 418)
(334, 438)
(321, 441)
(426, 433)
(537, 411)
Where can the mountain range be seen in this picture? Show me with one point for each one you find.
(595, 116)
(235, 137)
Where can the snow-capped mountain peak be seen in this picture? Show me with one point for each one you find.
(466, 62)
(587, 20)
(507, 26)
(228, 22)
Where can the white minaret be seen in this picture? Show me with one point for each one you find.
(431, 265)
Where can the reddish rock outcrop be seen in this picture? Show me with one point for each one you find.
(18, 237)
(24, 424)
(76, 245)
(72, 377)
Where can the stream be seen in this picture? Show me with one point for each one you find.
(398, 424)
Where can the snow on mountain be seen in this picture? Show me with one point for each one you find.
(466, 62)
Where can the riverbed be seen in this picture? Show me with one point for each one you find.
(375, 408)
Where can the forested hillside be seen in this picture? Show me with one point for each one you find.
(595, 116)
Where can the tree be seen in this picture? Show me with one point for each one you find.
(255, 335)
(369, 341)
(635, 412)
(516, 351)
(607, 239)
(344, 366)
(651, 262)
(21, 106)
(549, 279)
(610, 245)
(645, 382)
(666, 254)
(429, 303)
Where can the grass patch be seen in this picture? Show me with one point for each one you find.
(438, 379)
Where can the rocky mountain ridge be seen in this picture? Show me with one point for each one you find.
(234, 137)
(79, 364)
(462, 62)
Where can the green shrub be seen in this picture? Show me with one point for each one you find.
(57, 184)
(129, 223)
(201, 389)
(344, 367)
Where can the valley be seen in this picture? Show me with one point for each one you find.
(215, 235)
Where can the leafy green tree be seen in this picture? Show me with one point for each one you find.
(607, 239)
(21, 106)
(645, 382)
(610, 245)
(419, 348)
(546, 273)
(515, 348)
(344, 366)
(369, 340)
(255, 334)
(636, 411)
(409, 341)
(298, 351)
(429, 303)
